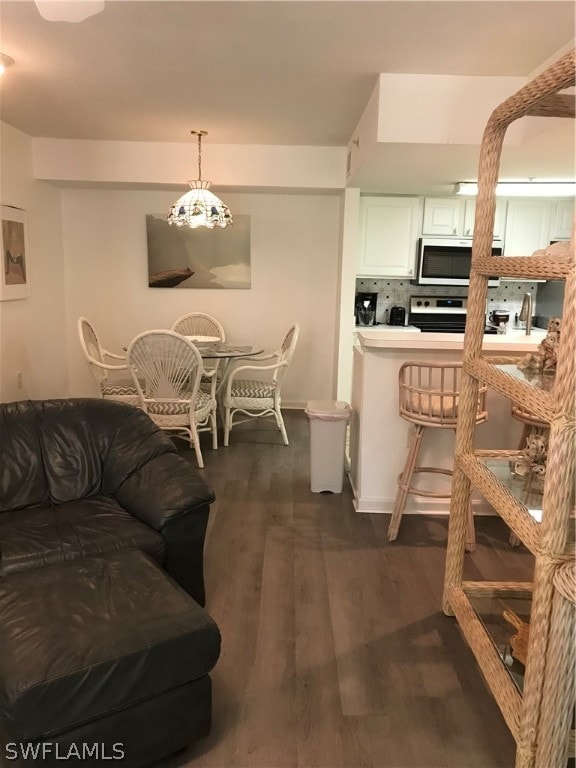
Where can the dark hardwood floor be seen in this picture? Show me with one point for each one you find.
(335, 650)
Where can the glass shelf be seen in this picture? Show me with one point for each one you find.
(490, 610)
(529, 501)
(536, 379)
(532, 391)
(519, 487)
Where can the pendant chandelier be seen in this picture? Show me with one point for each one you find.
(199, 207)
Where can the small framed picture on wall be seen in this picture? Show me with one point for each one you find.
(14, 278)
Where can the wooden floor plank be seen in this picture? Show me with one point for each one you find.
(335, 650)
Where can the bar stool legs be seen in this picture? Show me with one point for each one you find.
(404, 481)
(405, 487)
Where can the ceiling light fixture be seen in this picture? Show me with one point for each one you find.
(5, 62)
(199, 207)
(522, 188)
(64, 10)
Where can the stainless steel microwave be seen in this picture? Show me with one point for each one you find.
(446, 261)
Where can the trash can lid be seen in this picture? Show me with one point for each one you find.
(330, 410)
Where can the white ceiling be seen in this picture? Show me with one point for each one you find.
(265, 72)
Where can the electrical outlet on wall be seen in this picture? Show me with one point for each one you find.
(19, 380)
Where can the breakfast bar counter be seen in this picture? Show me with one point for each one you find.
(379, 436)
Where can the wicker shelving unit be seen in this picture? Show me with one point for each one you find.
(539, 716)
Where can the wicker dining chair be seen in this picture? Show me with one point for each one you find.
(258, 397)
(429, 395)
(95, 355)
(200, 326)
(167, 369)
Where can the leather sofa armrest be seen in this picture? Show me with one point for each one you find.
(168, 494)
(162, 490)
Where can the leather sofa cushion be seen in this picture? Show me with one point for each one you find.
(61, 450)
(95, 636)
(23, 481)
(51, 534)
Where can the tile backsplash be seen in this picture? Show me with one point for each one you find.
(508, 295)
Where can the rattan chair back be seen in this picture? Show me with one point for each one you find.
(285, 355)
(167, 370)
(92, 349)
(521, 414)
(201, 326)
(165, 367)
(429, 394)
(259, 397)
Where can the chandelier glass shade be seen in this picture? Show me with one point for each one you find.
(199, 207)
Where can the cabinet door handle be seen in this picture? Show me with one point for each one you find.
(454, 231)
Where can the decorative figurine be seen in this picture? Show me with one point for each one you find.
(545, 357)
(518, 641)
(531, 463)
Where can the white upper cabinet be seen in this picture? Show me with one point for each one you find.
(454, 216)
(563, 219)
(443, 216)
(389, 228)
(470, 214)
(527, 226)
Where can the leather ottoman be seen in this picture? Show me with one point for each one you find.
(104, 658)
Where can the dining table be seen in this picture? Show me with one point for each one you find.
(225, 351)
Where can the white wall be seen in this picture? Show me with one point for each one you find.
(295, 276)
(442, 109)
(240, 166)
(32, 330)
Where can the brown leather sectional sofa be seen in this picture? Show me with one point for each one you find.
(104, 640)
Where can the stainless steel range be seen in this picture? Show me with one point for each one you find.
(440, 314)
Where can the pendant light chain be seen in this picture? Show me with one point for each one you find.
(199, 134)
(199, 156)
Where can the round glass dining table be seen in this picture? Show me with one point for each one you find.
(223, 349)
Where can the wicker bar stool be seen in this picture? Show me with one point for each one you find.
(532, 426)
(429, 396)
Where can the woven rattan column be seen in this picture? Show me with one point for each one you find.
(559, 683)
(540, 717)
(554, 537)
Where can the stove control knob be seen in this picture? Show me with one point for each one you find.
(426, 303)
(418, 303)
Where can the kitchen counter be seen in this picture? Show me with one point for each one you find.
(515, 340)
(386, 329)
(379, 436)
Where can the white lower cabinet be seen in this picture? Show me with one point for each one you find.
(389, 228)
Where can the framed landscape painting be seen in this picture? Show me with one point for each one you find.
(180, 257)
(15, 279)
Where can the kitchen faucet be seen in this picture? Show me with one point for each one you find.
(526, 312)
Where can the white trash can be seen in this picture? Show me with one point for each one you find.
(328, 422)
